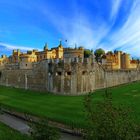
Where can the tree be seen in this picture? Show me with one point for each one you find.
(98, 54)
(108, 122)
(87, 53)
(42, 131)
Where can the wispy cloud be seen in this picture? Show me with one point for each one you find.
(115, 8)
(100, 33)
(81, 30)
(110, 24)
(127, 38)
(78, 28)
(12, 47)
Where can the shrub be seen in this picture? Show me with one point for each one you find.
(42, 131)
(108, 122)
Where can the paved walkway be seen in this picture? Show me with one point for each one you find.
(15, 123)
(23, 127)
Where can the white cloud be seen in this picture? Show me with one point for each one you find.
(11, 47)
(129, 35)
(115, 8)
(127, 38)
(78, 28)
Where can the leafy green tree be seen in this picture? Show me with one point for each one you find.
(98, 54)
(43, 131)
(108, 122)
(88, 53)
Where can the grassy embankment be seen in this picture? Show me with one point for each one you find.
(67, 109)
(7, 133)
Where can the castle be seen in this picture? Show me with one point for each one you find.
(66, 71)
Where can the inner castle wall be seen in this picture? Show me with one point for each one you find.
(68, 77)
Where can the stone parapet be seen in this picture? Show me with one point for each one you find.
(68, 77)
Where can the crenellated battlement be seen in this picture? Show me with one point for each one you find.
(65, 76)
(71, 60)
(69, 75)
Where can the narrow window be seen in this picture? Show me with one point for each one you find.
(59, 73)
(84, 72)
(69, 73)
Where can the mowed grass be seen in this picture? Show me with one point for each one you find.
(7, 133)
(68, 109)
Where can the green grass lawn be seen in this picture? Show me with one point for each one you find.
(7, 133)
(67, 109)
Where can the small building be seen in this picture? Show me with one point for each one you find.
(15, 57)
(112, 60)
(74, 52)
(3, 60)
(127, 63)
(118, 60)
(27, 59)
(54, 53)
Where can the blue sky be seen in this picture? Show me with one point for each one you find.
(107, 24)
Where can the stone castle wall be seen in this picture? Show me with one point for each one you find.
(67, 77)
